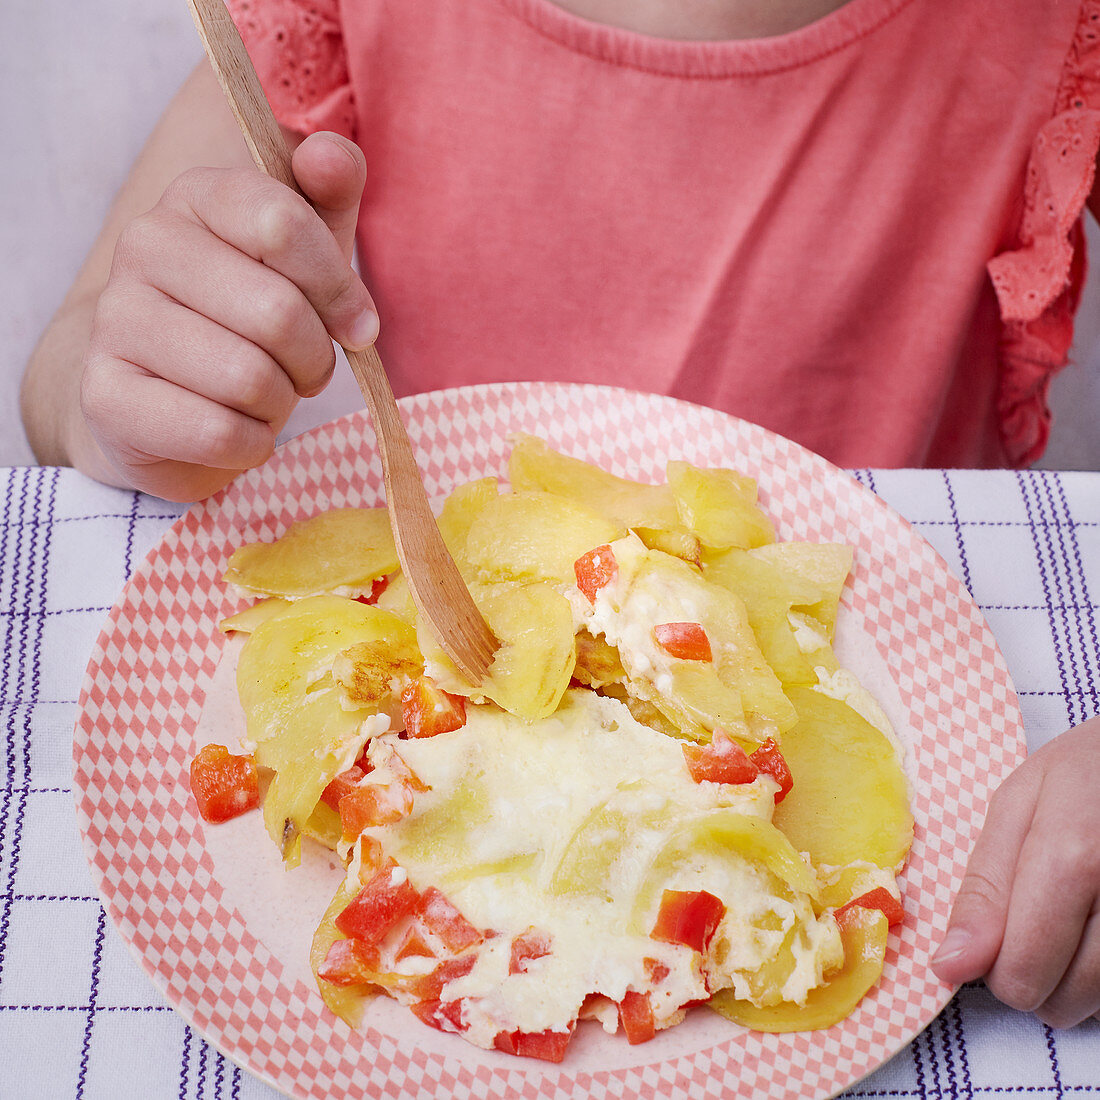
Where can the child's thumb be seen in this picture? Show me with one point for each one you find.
(331, 171)
(979, 915)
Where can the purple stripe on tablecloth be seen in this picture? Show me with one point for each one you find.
(93, 993)
(1079, 580)
(1044, 575)
(959, 544)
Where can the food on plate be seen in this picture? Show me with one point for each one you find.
(666, 792)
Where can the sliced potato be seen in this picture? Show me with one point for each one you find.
(719, 506)
(347, 1002)
(295, 712)
(864, 939)
(246, 621)
(534, 465)
(460, 510)
(824, 566)
(850, 799)
(537, 654)
(534, 536)
(346, 548)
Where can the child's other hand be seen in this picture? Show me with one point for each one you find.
(1027, 916)
(219, 314)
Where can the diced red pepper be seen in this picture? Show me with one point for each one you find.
(224, 785)
(385, 900)
(413, 945)
(878, 898)
(401, 769)
(440, 1014)
(349, 962)
(441, 916)
(636, 1017)
(429, 987)
(770, 761)
(371, 858)
(721, 761)
(373, 804)
(687, 641)
(528, 945)
(344, 783)
(550, 1046)
(429, 710)
(689, 917)
(595, 570)
(377, 587)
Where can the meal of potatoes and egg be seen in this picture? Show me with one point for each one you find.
(666, 791)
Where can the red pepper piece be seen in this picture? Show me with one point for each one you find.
(528, 945)
(385, 900)
(770, 761)
(689, 917)
(721, 761)
(686, 641)
(878, 898)
(224, 785)
(349, 962)
(429, 710)
(636, 1017)
(595, 570)
(441, 916)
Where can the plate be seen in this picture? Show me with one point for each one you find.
(203, 910)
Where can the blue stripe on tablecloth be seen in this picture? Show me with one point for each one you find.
(960, 545)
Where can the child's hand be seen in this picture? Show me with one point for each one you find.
(219, 314)
(1028, 913)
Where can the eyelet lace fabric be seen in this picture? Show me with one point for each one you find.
(1038, 284)
(302, 42)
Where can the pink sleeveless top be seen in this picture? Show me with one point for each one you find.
(864, 235)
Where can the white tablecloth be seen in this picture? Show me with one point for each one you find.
(78, 1017)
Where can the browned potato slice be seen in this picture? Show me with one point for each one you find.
(598, 663)
(850, 799)
(346, 548)
(296, 713)
(534, 465)
(537, 654)
(719, 506)
(534, 536)
(371, 672)
(864, 938)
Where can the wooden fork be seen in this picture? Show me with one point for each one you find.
(437, 588)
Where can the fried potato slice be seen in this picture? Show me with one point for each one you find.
(343, 549)
(719, 506)
(297, 715)
(850, 800)
(537, 654)
(864, 938)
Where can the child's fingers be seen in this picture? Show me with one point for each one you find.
(183, 347)
(186, 262)
(1052, 897)
(281, 230)
(331, 172)
(171, 442)
(1078, 994)
(979, 914)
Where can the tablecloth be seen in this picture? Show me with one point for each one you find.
(78, 1017)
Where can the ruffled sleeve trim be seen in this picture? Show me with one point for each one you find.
(1038, 284)
(297, 47)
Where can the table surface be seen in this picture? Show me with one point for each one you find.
(79, 1018)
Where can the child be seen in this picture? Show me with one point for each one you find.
(854, 223)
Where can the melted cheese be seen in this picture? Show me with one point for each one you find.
(561, 825)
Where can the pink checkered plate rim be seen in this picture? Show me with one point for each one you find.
(956, 714)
